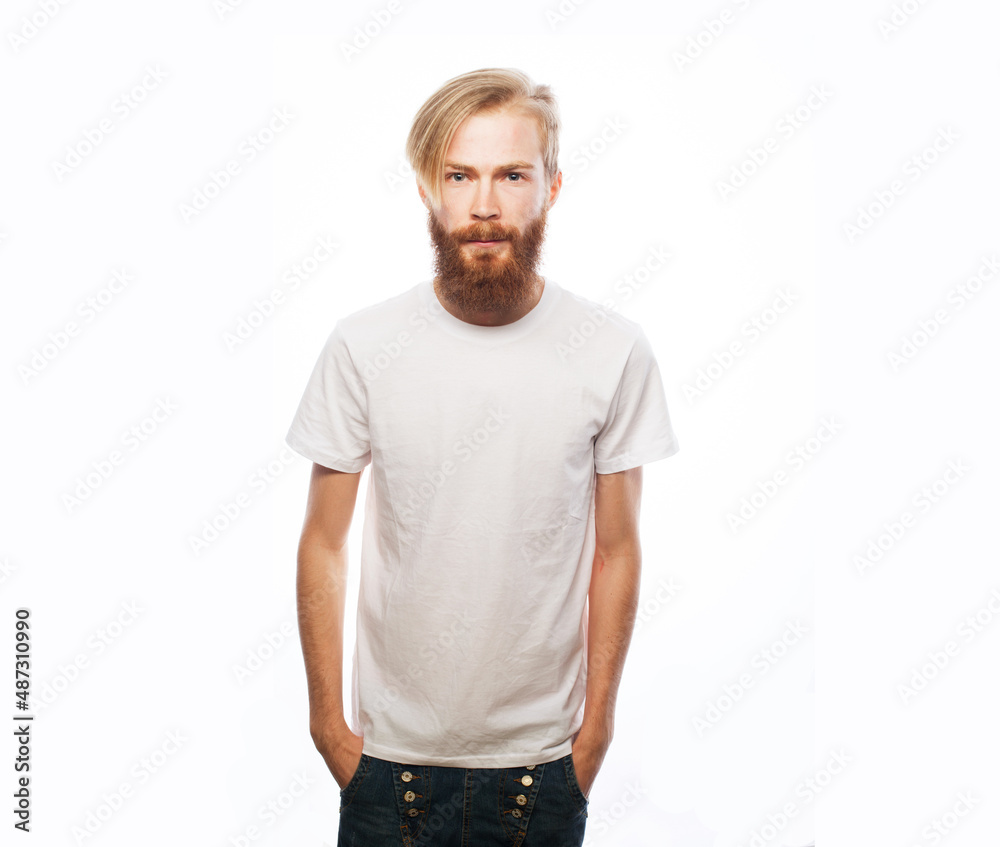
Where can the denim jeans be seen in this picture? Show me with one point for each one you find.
(391, 803)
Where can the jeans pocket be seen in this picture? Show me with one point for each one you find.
(574, 785)
(348, 791)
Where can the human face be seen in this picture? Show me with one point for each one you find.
(489, 228)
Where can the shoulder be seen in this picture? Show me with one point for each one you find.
(582, 320)
(381, 319)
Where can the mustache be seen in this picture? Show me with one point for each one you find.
(486, 232)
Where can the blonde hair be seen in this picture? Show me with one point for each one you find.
(485, 90)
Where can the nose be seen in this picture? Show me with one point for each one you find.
(484, 204)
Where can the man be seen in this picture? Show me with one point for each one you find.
(506, 421)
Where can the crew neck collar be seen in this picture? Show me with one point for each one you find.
(490, 334)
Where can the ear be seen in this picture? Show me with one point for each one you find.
(554, 189)
(423, 196)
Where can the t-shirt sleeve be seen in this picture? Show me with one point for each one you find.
(330, 426)
(638, 428)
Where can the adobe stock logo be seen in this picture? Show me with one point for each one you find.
(960, 294)
(47, 351)
(252, 145)
(944, 655)
(786, 127)
(106, 466)
(377, 22)
(93, 136)
(582, 157)
(31, 27)
(894, 530)
(464, 448)
(899, 17)
(698, 43)
(805, 792)
(916, 167)
(763, 660)
(753, 329)
(796, 459)
(941, 827)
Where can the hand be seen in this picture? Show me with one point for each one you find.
(341, 750)
(588, 754)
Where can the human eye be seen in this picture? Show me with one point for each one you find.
(459, 176)
(516, 176)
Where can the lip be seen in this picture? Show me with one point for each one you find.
(487, 243)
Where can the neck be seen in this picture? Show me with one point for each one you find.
(491, 317)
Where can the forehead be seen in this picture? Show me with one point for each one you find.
(495, 137)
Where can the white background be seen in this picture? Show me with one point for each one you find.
(660, 103)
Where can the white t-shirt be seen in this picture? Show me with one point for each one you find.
(478, 535)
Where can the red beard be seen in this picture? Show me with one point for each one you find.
(491, 279)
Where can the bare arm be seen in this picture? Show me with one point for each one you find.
(613, 599)
(321, 582)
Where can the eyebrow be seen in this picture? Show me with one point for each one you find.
(511, 166)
